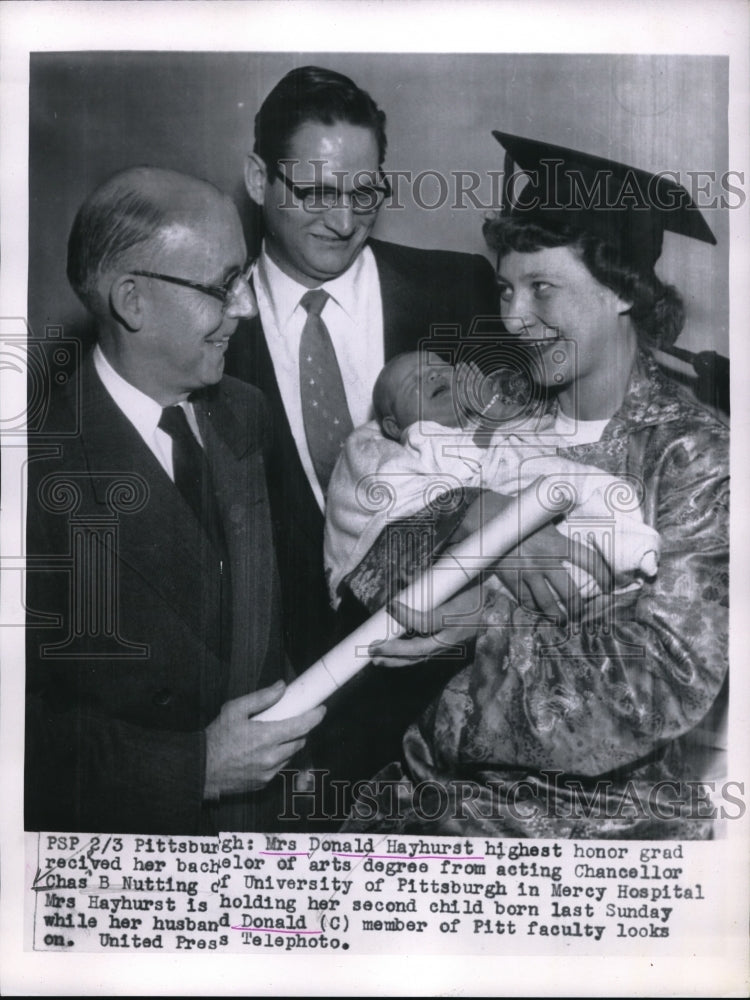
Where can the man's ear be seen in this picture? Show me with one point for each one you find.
(256, 177)
(126, 302)
(391, 428)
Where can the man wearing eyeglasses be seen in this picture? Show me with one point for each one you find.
(334, 305)
(154, 634)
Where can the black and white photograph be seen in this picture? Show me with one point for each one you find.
(366, 498)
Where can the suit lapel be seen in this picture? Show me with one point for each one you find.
(403, 301)
(159, 537)
(236, 463)
(250, 360)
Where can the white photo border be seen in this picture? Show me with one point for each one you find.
(610, 26)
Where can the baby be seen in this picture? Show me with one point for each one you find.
(441, 427)
(414, 389)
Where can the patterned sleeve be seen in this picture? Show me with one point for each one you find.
(640, 670)
(406, 547)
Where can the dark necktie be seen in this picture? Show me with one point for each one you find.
(192, 476)
(325, 411)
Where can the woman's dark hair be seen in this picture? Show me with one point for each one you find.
(312, 94)
(657, 311)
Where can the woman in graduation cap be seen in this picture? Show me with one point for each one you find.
(589, 724)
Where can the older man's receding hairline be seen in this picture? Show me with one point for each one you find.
(177, 195)
(132, 213)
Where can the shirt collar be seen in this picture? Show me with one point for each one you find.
(284, 293)
(141, 410)
(651, 398)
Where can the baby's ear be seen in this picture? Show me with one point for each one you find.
(390, 428)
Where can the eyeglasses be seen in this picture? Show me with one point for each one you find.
(363, 200)
(234, 289)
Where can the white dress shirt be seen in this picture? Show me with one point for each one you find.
(142, 411)
(354, 317)
(579, 431)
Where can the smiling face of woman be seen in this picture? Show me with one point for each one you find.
(549, 296)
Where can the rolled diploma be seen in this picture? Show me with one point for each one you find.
(525, 514)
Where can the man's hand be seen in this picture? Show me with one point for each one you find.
(243, 755)
(431, 633)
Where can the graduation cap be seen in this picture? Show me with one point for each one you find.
(627, 207)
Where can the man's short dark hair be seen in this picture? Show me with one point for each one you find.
(312, 94)
(657, 311)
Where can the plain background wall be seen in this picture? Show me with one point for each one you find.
(94, 113)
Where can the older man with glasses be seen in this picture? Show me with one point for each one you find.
(154, 629)
(334, 306)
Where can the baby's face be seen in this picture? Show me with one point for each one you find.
(424, 387)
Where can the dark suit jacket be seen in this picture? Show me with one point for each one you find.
(121, 686)
(419, 288)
